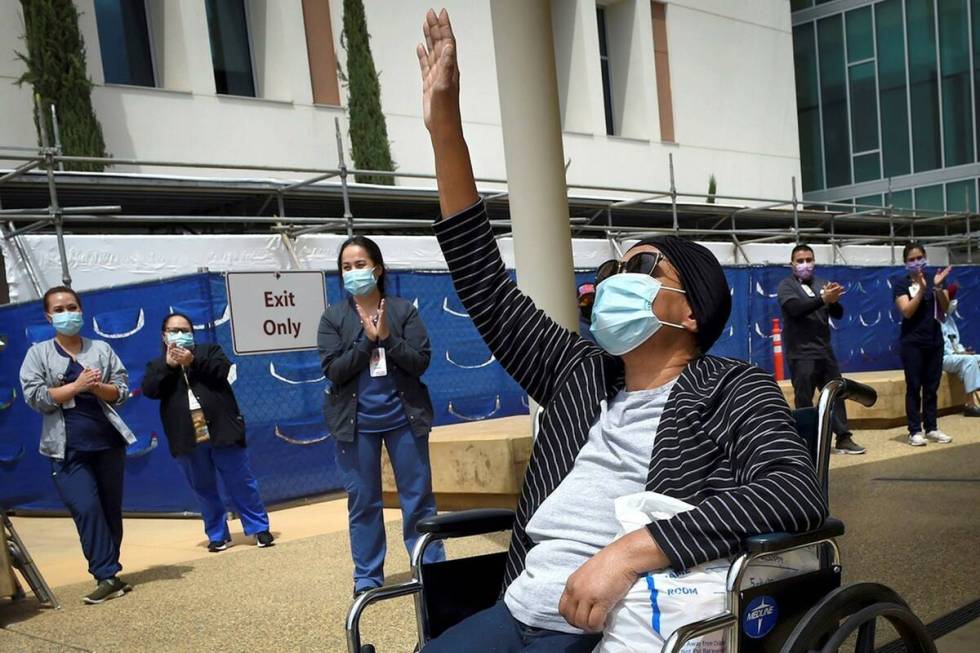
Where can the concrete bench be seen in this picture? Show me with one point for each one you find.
(889, 411)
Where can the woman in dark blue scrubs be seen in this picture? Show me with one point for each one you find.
(76, 383)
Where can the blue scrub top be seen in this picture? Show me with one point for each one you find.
(86, 425)
(379, 408)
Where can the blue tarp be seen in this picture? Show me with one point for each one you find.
(280, 395)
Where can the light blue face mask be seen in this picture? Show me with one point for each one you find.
(68, 323)
(622, 316)
(184, 340)
(360, 282)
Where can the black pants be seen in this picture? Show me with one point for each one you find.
(923, 372)
(91, 485)
(812, 375)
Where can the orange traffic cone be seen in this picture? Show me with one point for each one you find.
(777, 350)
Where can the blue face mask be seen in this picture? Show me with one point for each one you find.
(184, 340)
(622, 316)
(917, 265)
(68, 323)
(360, 282)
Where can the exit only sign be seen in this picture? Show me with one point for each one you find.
(275, 311)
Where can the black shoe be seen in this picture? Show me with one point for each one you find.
(264, 539)
(216, 546)
(972, 411)
(848, 446)
(109, 588)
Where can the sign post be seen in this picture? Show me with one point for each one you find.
(275, 311)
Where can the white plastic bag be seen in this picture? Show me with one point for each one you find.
(661, 602)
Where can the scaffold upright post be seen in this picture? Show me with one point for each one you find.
(342, 167)
(796, 212)
(54, 210)
(673, 190)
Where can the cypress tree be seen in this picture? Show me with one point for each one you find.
(368, 132)
(55, 63)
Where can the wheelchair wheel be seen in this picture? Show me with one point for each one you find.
(856, 608)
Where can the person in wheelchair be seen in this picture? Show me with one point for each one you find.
(646, 409)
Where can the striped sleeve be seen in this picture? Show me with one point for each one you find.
(534, 349)
(775, 486)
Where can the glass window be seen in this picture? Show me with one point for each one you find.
(961, 194)
(872, 200)
(902, 199)
(866, 167)
(890, 32)
(124, 42)
(954, 60)
(864, 108)
(923, 84)
(837, 151)
(975, 11)
(796, 5)
(860, 44)
(600, 13)
(231, 54)
(808, 106)
(929, 198)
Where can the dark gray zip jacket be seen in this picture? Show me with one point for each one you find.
(345, 353)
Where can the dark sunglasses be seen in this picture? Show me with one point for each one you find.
(642, 263)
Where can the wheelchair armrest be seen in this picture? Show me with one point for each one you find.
(468, 522)
(859, 392)
(771, 542)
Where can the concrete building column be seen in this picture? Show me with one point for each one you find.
(533, 153)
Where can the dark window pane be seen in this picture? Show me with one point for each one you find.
(808, 106)
(929, 198)
(866, 167)
(124, 42)
(860, 44)
(923, 84)
(892, 88)
(975, 11)
(796, 5)
(901, 199)
(873, 200)
(600, 14)
(954, 59)
(961, 194)
(230, 52)
(864, 108)
(830, 42)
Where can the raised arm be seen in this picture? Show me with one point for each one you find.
(532, 348)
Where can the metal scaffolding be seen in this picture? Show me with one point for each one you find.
(771, 220)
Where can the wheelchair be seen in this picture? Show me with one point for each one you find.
(801, 614)
(21, 560)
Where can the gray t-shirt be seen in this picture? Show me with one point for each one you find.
(578, 519)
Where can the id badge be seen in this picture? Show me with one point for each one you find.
(807, 290)
(378, 365)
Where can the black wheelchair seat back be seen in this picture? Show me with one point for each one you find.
(456, 589)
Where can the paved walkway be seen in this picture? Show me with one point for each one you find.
(911, 516)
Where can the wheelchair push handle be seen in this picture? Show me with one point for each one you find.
(856, 391)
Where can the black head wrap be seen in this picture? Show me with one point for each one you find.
(704, 281)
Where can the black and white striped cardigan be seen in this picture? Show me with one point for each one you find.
(726, 442)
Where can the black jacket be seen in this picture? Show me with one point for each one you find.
(344, 354)
(208, 375)
(806, 325)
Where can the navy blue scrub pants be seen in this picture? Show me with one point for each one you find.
(923, 372)
(360, 463)
(91, 485)
(494, 630)
(202, 466)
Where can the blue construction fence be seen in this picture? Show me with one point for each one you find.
(281, 395)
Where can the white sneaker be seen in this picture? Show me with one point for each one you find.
(939, 436)
(917, 439)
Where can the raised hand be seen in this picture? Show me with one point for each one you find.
(832, 292)
(440, 72)
(172, 356)
(88, 379)
(382, 322)
(184, 357)
(941, 275)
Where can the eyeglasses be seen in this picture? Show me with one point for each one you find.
(642, 263)
(176, 330)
